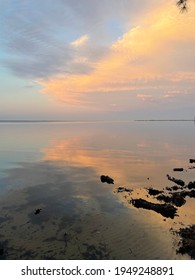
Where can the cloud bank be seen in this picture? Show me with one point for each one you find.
(87, 53)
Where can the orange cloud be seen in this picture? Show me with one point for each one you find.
(145, 54)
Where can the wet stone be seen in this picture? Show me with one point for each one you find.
(176, 181)
(37, 211)
(173, 188)
(106, 179)
(124, 189)
(191, 185)
(176, 199)
(166, 210)
(178, 169)
(3, 245)
(152, 191)
(187, 242)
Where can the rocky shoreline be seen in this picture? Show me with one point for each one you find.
(169, 199)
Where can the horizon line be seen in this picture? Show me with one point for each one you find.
(55, 121)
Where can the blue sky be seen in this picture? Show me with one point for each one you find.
(69, 59)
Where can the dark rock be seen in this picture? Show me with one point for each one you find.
(66, 238)
(166, 210)
(1, 249)
(188, 193)
(37, 211)
(191, 185)
(178, 169)
(191, 194)
(187, 243)
(106, 179)
(164, 198)
(176, 181)
(191, 160)
(173, 188)
(152, 191)
(123, 189)
(176, 199)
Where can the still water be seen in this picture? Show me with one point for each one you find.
(57, 167)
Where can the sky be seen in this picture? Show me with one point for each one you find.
(96, 60)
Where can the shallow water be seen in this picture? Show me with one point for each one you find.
(57, 167)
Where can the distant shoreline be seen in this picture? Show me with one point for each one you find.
(177, 120)
(98, 121)
(34, 121)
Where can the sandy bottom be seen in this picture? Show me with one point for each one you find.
(81, 218)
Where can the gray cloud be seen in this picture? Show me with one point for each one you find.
(36, 35)
(31, 44)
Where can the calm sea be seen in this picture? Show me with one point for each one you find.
(56, 167)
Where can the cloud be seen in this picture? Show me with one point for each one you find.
(148, 56)
(144, 58)
(80, 41)
(173, 93)
(145, 97)
(36, 35)
(36, 38)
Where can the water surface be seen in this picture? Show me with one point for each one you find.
(57, 167)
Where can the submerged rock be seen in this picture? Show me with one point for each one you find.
(191, 185)
(37, 211)
(176, 181)
(3, 249)
(188, 193)
(187, 242)
(178, 169)
(124, 189)
(152, 191)
(66, 238)
(166, 210)
(106, 179)
(176, 199)
(173, 188)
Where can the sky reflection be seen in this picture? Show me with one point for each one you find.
(57, 167)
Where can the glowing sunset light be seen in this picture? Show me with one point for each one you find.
(122, 69)
(151, 55)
